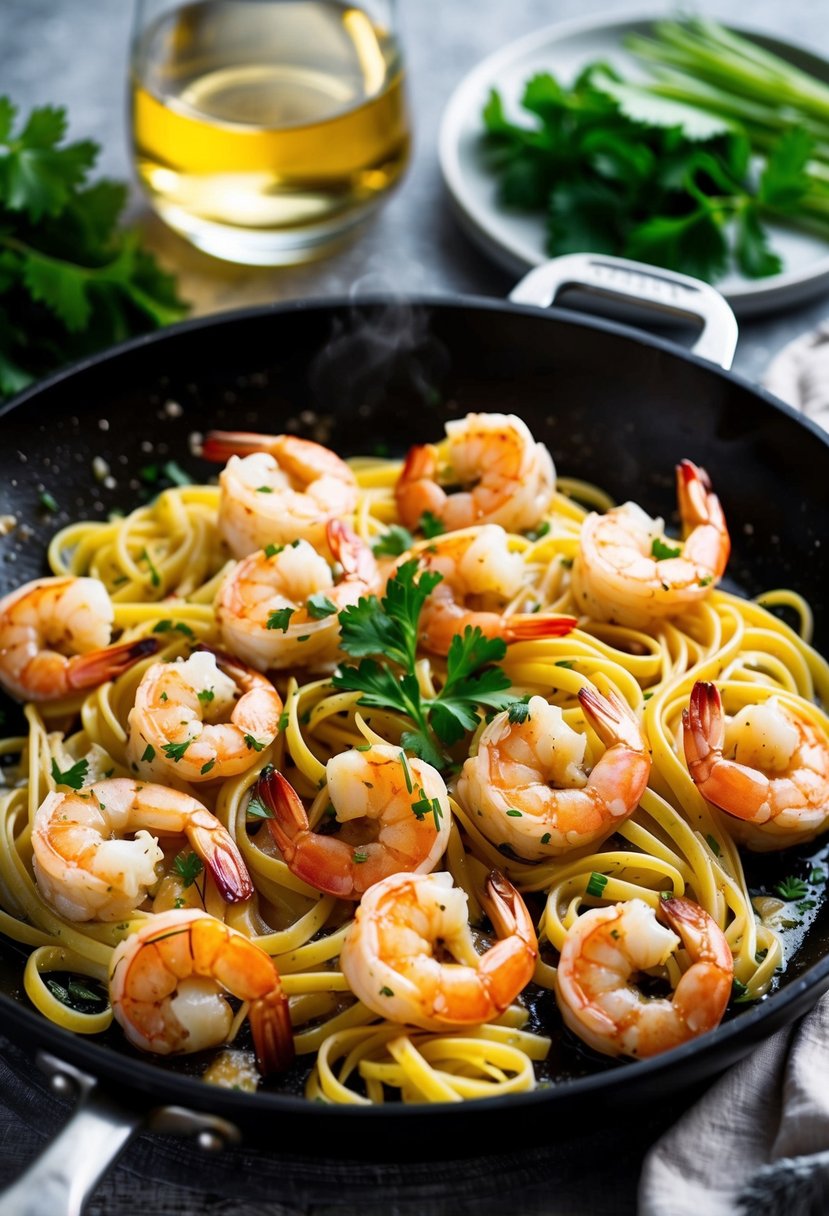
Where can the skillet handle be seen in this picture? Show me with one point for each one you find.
(66, 1173)
(662, 292)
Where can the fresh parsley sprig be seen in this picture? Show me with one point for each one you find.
(389, 628)
(71, 280)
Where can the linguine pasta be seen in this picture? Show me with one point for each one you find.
(163, 564)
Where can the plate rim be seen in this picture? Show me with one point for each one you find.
(754, 295)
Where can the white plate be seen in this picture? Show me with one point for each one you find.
(516, 241)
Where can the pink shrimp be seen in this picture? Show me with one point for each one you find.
(775, 783)
(394, 813)
(54, 635)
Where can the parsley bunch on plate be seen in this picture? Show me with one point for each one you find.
(71, 280)
(616, 169)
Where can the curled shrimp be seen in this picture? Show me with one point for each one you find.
(279, 606)
(625, 570)
(54, 639)
(605, 947)
(478, 572)
(167, 983)
(281, 489)
(505, 476)
(527, 787)
(201, 718)
(768, 767)
(394, 813)
(87, 870)
(393, 952)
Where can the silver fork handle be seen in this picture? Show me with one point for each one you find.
(665, 293)
(60, 1181)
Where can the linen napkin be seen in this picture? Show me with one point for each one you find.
(757, 1144)
(799, 375)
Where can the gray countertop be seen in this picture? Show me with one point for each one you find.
(74, 52)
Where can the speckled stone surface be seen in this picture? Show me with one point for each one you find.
(74, 52)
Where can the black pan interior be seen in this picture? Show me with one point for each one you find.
(614, 408)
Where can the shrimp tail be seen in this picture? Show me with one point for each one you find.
(350, 551)
(611, 718)
(509, 965)
(219, 446)
(273, 1039)
(217, 849)
(314, 858)
(703, 992)
(735, 788)
(97, 666)
(703, 520)
(524, 626)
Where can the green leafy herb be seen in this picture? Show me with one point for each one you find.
(74, 994)
(545, 839)
(207, 766)
(175, 751)
(430, 525)
(791, 888)
(206, 695)
(71, 281)
(149, 753)
(320, 606)
(257, 808)
(253, 744)
(714, 845)
(155, 577)
(596, 884)
(359, 857)
(660, 550)
(188, 866)
(386, 991)
(514, 814)
(519, 712)
(280, 618)
(168, 626)
(537, 533)
(664, 170)
(394, 542)
(74, 777)
(47, 501)
(389, 628)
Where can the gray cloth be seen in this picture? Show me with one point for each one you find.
(799, 375)
(757, 1144)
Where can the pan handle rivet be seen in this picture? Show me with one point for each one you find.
(210, 1142)
(62, 1085)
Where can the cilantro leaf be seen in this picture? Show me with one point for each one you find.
(751, 245)
(784, 180)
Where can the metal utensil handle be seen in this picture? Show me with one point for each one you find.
(63, 1177)
(663, 292)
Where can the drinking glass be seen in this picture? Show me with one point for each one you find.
(263, 130)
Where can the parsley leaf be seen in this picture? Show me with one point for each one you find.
(188, 866)
(80, 281)
(74, 777)
(280, 618)
(660, 550)
(175, 751)
(430, 525)
(791, 888)
(394, 542)
(320, 606)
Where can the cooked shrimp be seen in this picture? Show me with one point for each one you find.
(506, 477)
(768, 767)
(282, 489)
(478, 572)
(394, 813)
(190, 722)
(392, 955)
(625, 570)
(606, 946)
(527, 786)
(87, 870)
(54, 635)
(278, 607)
(166, 986)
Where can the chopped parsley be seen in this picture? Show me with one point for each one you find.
(207, 766)
(393, 543)
(206, 695)
(545, 839)
(661, 551)
(149, 753)
(791, 888)
(74, 994)
(514, 814)
(74, 777)
(175, 751)
(253, 744)
(47, 501)
(537, 533)
(430, 525)
(188, 866)
(155, 577)
(168, 626)
(386, 991)
(256, 807)
(280, 618)
(320, 606)
(519, 712)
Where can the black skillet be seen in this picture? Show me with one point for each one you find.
(615, 407)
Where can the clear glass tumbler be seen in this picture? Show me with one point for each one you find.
(263, 130)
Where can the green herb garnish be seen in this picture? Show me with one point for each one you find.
(596, 884)
(320, 606)
(74, 777)
(791, 888)
(188, 866)
(394, 542)
(280, 618)
(175, 751)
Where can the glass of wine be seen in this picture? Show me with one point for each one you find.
(264, 130)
